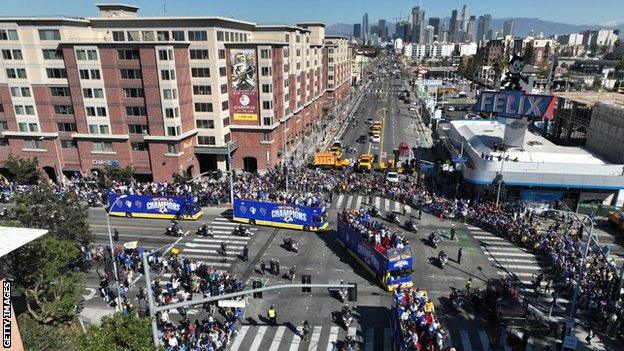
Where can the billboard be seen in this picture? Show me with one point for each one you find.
(149, 206)
(516, 104)
(269, 212)
(243, 90)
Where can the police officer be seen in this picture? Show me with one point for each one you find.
(245, 253)
(116, 235)
(453, 232)
(469, 284)
(459, 255)
(272, 314)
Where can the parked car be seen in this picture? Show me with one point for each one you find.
(376, 138)
(392, 177)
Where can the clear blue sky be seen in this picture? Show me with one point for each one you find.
(335, 11)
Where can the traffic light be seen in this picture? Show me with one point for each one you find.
(352, 293)
(306, 279)
(256, 284)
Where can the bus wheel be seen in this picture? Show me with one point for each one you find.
(252, 221)
(128, 214)
(306, 228)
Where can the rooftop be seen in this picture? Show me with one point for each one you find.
(13, 238)
(592, 97)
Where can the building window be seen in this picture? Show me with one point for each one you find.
(4, 125)
(197, 35)
(266, 136)
(93, 93)
(205, 123)
(162, 35)
(170, 94)
(134, 111)
(131, 74)
(52, 54)
(177, 35)
(63, 110)
(16, 73)
(267, 121)
(20, 92)
(286, 37)
(9, 34)
(66, 127)
(200, 72)
(226, 121)
(133, 92)
(265, 71)
(224, 105)
(56, 73)
(49, 34)
(98, 129)
(219, 35)
(265, 53)
(224, 88)
(128, 54)
(147, 35)
(206, 140)
(33, 144)
(172, 112)
(222, 71)
(86, 55)
(119, 36)
(222, 54)
(69, 144)
(102, 146)
(28, 127)
(173, 131)
(138, 146)
(167, 74)
(203, 107)
(90, 74)
(59, 91)
(267, 88)
(267, 105)
(198, 54)
(12, 54)
(202, 90)
(165, 55)
(138, 129)
(172, 149)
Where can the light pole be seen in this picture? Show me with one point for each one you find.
(500, 180)
(112, 248)
(230, 171)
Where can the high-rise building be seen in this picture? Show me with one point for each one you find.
(442, 32)
(402, 30)
(357, 30)
(164, 98)
(428, 36)
(483, 27)
(418, 25)
(381, 29)
(453, 26)
(464, 18)
(471, 30)
(435, 23)
(365, 25)
(508, 28)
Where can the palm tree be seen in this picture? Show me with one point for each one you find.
(499, 65)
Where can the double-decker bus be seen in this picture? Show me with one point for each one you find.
(308, 218)
(391, 268)
(153, 206)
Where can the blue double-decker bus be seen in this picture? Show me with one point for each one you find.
(309, 218)
(391, 269)
(153, 206)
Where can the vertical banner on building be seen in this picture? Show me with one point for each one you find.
(243, 87)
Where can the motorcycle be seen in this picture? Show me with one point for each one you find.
(93, 201)
(349, 344)
(290, 275)
(347, 318)
(204, 231)
(342, 294)
(434, 240)
(457, 299)
(442, 258)
(393, 218)
(174, 230)
(373, 211)
(241, 231)
(410, 226)
(291, 245)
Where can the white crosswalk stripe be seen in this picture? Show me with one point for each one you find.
(397, 206)
(349, 201)
(314, 341)
(358, 202)
(387, 205)
(294, 345)
(339, 202)
(238, 340)
(255, 345)
(333, 338)
(513, 260)
(377, 202)
(277, 339)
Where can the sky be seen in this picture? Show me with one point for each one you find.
(335, 11)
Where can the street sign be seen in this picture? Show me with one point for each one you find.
(460, 159)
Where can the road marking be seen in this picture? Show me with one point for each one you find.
(503, 248)
(369, 340)
(518, 274)
(277, 339)
(339, 202)
(349, 201)
(333, 338)
(294, 344)
(511, 266)
(314, 341)
(358, 202)
(465, 340)
(485, 341)
(221, 219)
(494, 242)
(513, 260)
(239, 337)
(195, 247)
(397, 206)
(473, 228)
(483, 237)
(387, 205)
(228, 239)
(378, 202)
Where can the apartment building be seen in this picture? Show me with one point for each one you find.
(163, 94)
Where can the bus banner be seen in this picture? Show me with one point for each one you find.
(280, 215)
(148, 206)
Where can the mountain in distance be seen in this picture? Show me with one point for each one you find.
(522, 27)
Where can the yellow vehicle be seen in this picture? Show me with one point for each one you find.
(375, 128)
(616, 220)
(365, 162)
(378, 124)
(330, 160)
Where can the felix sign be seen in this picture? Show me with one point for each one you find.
(515, 104)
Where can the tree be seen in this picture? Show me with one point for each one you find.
(36, 336)
(110, 174)
(499, 65)
(529, 53)
(181, 177)
(119, 332)
(46, 270)
(23, 170)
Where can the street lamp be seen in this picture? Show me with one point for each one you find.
(500, 180)
(112, 248)
(230, 171)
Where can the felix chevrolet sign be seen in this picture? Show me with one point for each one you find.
(515, 104)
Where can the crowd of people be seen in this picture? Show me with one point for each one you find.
(420, 330)
(377, 234)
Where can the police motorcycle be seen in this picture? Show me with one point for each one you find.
(94, 201)
(174, 229)
(291, 244)
(442, 258)
(434, 240)
(374, 211)
(457, 299)
(393, 218)
(349, 344)
(347, 316)
(205, 230)
(410, 225)
(342, 292)
(241, 231)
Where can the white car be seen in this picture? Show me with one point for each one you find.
(392, 177)
(412, 108)
(375, 138)
(369, 121)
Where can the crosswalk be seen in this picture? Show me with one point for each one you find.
(519, 265)
(344, 201)
(208, 250)
(329, 337)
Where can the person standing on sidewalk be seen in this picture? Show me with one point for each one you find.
(306, 330)
(272, 314)
(245, 253)
(277, 267)
(453, 232)
(459, 256)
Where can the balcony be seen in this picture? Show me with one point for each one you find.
(217, 150)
